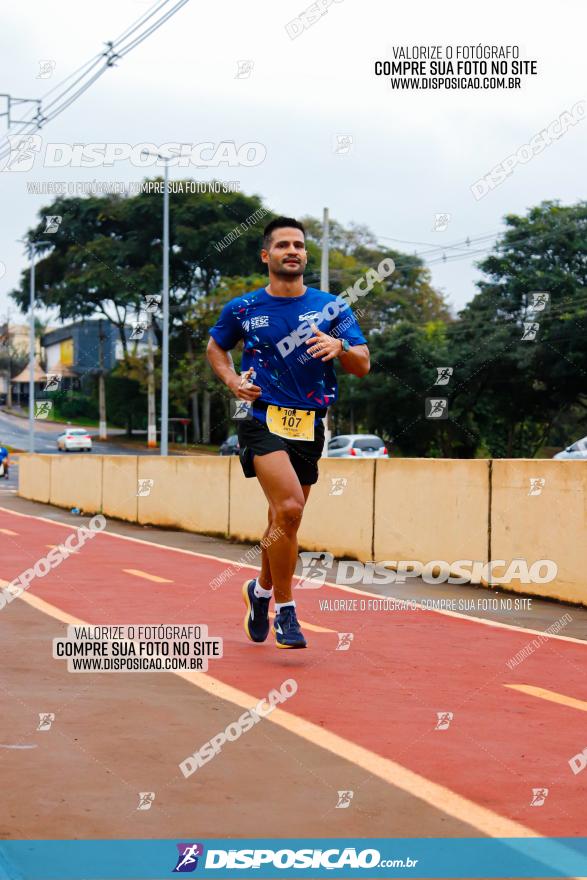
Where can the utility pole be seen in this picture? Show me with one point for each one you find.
(151, 409)
(324, 274)
(8, 362)
(101, 383)
(165, 346)
(324, 285)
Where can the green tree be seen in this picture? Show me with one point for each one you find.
(519, 387)
(106, 257)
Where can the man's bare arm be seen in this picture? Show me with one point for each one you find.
(222, 364)
(325, 347)
(356, 360)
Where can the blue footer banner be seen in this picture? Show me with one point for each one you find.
(286, 857)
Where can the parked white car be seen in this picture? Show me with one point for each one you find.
(576, 451)
(357, 446)
(74, 438)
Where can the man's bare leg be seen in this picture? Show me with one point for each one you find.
(286, 499)
(265, 579)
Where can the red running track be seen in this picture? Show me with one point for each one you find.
(383, 694)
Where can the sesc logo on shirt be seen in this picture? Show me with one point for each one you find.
(255, 323)
(259, 321)
(310, 317)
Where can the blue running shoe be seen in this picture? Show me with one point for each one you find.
(287, 629)
(257, 616)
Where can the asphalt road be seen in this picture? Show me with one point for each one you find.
(14, 431)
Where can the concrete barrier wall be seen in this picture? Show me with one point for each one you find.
(188, 492)
(34, 477)
(119, 486)
(431, 508)
(339, 513)
(397, 509)
(76, 481)
(533, 521)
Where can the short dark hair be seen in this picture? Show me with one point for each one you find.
(280, 223)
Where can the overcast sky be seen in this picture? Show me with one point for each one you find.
(414, 154)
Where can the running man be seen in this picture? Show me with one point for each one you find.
(292, 335)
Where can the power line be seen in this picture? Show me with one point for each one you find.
(92, 62)
(505, 243)
(159, 4)
(153, 28)
(435, 247)
(84, 69)
(108, 58)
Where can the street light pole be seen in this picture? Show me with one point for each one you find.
(165, 347)
(32, 245)
(32, 351)
(101, 384)
(324, 285)
(324, 274)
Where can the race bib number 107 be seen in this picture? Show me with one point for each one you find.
(294, 424)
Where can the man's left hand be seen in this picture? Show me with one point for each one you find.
(323, 346)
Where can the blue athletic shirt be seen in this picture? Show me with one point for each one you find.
(285, 372)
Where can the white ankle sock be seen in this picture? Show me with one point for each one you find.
(260, 593)
(280, 605)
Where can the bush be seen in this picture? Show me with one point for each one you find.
(73, 404)
(126, 403)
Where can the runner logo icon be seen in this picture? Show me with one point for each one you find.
(187, 859)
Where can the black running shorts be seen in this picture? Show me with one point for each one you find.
(255, 438)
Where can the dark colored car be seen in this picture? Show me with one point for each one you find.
(230, 446)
